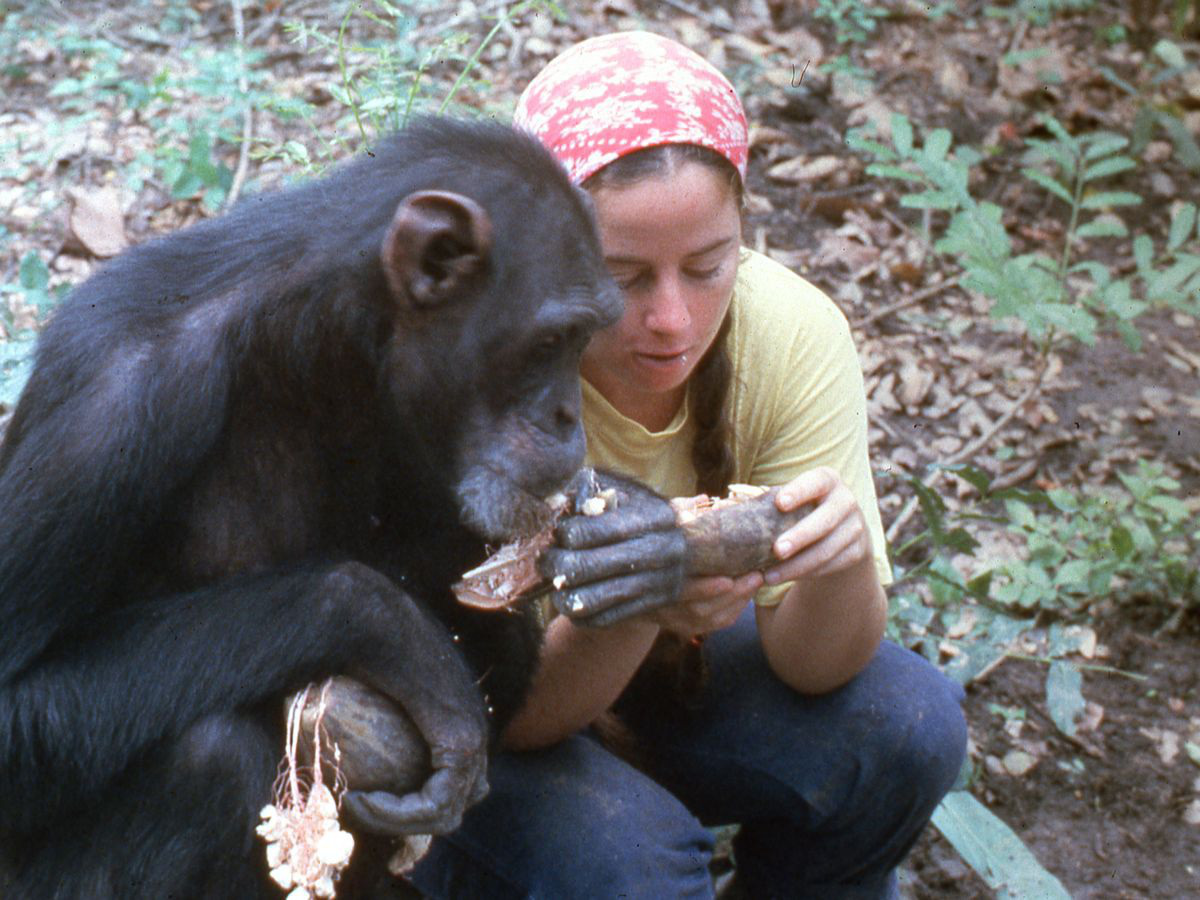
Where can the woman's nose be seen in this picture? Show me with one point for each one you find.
(668, 311)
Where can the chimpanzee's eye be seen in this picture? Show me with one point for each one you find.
(549, 346)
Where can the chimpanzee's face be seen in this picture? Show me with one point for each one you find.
(503, 347)
(522, 436)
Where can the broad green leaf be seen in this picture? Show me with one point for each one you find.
(902, 134)
(1173, 508)
(1073, 573)
(1130, 335)
(1096, 270)
(859, 143)
(1102, 228)
(1056, 128)
(937, 143)
(1181, 226)
(980, 586)
(1193, 751)
(1019, 56)
(1143, 127)
(1107, 167)
(1169, 52)
(296, 150)
(1064, 695)
(994, 851)
(1171, 278)
(1104, 143)
(1186, 147)
(932, 507)
(1075, 321)
(1143, 254)
(988, 644)
(930, 200)
(885, 170)
(1118, 301)
(1104, 199)
(1055, 151)
(973, 475)
(1041, 178)
(34, 275)
(961, 540)
(1063, 500)
(1020, 514)
(16, 362)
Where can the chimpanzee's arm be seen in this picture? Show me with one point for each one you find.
(104, 437)
(74, 720)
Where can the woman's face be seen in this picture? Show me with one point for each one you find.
(672, 244)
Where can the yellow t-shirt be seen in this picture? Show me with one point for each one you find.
(796, 402)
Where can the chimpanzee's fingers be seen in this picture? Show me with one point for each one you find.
(627, 610)
(578, 567)
(620, 524)
(436, 809)
(582, 603)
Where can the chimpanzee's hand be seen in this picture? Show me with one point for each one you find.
(617, 564)
(406, 656)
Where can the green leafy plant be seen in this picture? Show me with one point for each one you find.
(853, 21)
(1155, 113)
(16, 352)
(1136, 541)
(1171, 275)
(1140, 541)
(389, 73)
(1049, 295)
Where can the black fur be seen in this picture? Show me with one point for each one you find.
(241, 464)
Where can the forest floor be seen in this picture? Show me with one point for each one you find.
(1113, 811)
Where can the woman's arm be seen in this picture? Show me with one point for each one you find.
(582, 671)
(583, 668)
(831, 620)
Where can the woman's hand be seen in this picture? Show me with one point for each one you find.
(706, 604)
(828, 625)
(832, 538)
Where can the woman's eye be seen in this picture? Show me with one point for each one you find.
(705, 274)
(629, 282)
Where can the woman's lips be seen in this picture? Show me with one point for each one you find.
(662, 361)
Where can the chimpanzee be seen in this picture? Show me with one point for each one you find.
(256, 453)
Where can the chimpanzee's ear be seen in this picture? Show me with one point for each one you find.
(437, 241)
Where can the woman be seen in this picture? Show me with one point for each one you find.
(828, 746)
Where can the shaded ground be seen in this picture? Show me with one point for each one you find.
(1103, 812)
(1112, 812)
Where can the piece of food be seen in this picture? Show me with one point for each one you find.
(378, 746)
(733, 535)
(729, 535)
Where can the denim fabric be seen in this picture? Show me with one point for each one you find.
(830, 791)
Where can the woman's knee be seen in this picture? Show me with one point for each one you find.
(923, 732)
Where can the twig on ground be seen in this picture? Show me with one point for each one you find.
(911, 300)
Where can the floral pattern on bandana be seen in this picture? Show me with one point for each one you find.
(612, 95)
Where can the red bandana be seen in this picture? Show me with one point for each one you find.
(615, 94)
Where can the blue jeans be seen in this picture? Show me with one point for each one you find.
(830, 791)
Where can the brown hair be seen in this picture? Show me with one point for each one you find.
(712, 456)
